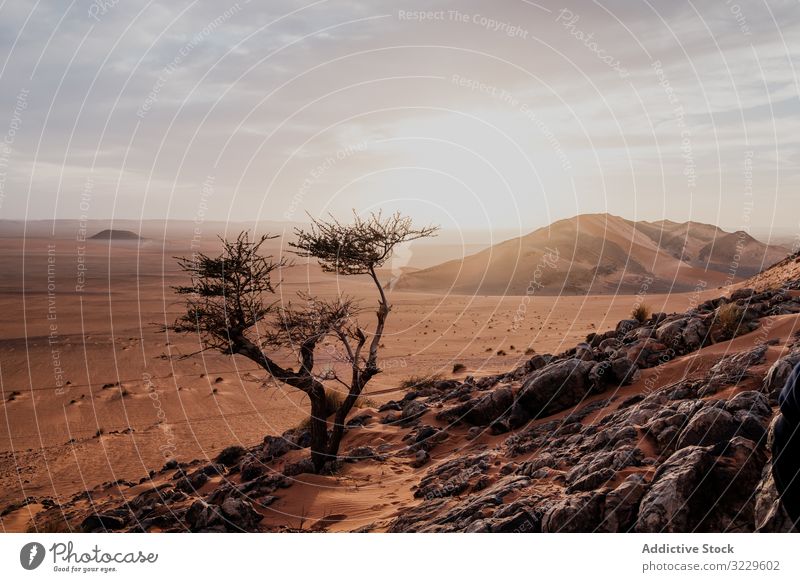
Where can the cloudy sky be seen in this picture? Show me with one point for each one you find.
(507, 114)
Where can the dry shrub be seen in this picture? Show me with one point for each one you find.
(421, 382)
(729, 318)
(641, 313)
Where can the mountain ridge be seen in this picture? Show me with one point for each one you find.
(601, 254)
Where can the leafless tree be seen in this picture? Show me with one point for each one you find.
(228, 306)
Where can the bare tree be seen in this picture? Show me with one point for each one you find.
(227, 306)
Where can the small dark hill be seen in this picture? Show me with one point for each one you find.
(112, 234)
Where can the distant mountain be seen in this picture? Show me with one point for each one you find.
(114, 234)
(600, 254)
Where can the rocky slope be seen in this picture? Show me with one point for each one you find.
(601, 253)
(654, 426)
(787, 269)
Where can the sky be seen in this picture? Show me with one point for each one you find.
(473, 115)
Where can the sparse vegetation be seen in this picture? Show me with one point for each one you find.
(641, 312)
(458, 367)
(421, 382)
(501, 353)
(228, 299)
(530, 351)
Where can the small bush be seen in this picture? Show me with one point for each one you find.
(501, 353)
(530, 352)
(458, 368)
(420, 382)
(641, 313)
(729, 317)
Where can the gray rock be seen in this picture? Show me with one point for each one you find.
(99, 522)
(522, 522)
(580, 513)
(708, 426)
(732, 369)
(778, 374)
(622, 504)
(240, 514)
(683, 335)
(626, 326)
(618, 372)
(592, 481)
(770, 516)
(420, 459)
(769, 513)
(202, 515)
(231, 455)
(555, 387)
(412, 411)
(675, 501)
(750, 401)
(483, 410)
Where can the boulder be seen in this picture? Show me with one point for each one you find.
(555, 387)
(709, 426)
(420, 459)
(750, 401)
(622, 504)
(733, 480)
(201, 516)
(769, 514)
(251, 468)
(626, 326)
(191, 483)
(647, 353)
(732, 369)
(683, 335)
(240, 514)
(231, 455)
(99, 522)
(592, 481)
(579, 513)
(675, 501)
(275, 447)
(742, 294)
(522, 522)
(618, 372)
(778, 374)
(483, 410)
(412, 411)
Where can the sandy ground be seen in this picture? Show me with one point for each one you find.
(92, 392)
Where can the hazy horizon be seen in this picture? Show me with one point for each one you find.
(506, 117)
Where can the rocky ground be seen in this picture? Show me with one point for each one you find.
(659, 425)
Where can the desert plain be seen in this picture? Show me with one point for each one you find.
(95, 392)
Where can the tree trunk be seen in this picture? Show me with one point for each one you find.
(319, 428)
(337, 432)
